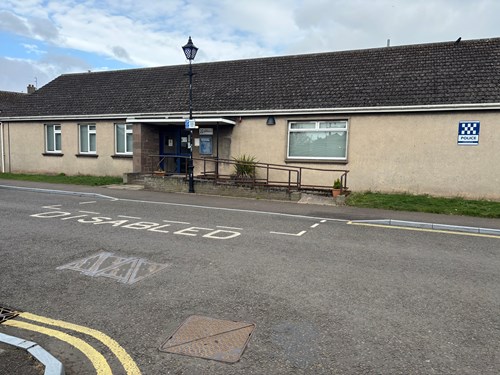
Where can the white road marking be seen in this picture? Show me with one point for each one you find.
(129, 217)
(220, 226)
(89, 212)
(324, 221)
(290, 234)
(73, 217)
(218, 234)
(314, 225)
(87, 202)
(176, 222)
(53, 207)
(232, 210)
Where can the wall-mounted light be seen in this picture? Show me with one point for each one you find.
(271, 120)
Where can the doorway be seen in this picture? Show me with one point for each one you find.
(174, 143)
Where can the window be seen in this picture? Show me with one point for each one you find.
(87, 139)
(53, 138)
(124, 140)
(317, 140)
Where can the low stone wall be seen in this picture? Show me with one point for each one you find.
(173, 184)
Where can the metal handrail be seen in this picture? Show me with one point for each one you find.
(293, 182)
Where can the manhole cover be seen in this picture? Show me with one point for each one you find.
(203, 337)
(6, 314)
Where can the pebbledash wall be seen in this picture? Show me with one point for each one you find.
(405, 152)
(392, 152)
(25, 150)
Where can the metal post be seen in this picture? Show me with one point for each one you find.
(191, 140)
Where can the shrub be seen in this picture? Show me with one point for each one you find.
(244, 166)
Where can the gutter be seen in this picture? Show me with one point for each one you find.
(267, 112)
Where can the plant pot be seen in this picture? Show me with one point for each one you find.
(336, 192)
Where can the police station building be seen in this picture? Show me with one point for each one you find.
(419, 119)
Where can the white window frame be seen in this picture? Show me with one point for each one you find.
(55, 133)
(88, 135)
(128, 131)
(317, 128)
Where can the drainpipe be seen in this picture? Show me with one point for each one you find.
(1, 147)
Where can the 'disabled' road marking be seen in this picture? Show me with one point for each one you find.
(120, 353)
(426, 230)
(98, 361)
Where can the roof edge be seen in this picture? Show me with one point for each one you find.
(276, 112)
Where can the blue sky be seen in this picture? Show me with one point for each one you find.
(45, 38)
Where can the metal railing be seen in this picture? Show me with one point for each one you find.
(222, 171)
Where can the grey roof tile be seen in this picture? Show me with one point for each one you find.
(426, 74)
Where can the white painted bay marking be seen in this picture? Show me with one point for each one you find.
(53, 207)
(129, 217)
(324, 221)
(231, 209)
(87, 202)
(314, 225)
(220, 226)
(290, 234)
(176, 222)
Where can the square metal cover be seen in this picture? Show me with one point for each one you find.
(204, 337)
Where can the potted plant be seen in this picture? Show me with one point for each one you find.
(337, 188)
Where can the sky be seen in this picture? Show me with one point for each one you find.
(42, 39)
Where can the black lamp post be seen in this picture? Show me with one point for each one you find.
(190, 51)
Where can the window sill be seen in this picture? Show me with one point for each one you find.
(316, 161)
(124, 156)
(87, 155)
(52, 154)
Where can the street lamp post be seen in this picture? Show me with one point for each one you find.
(190, 51)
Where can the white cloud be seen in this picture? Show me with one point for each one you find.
(151, 32)
(33, 48)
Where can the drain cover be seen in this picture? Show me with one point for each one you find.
(203, 337)
(6, 314)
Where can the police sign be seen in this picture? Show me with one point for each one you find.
(468, 133)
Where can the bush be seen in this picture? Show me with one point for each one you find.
(245, 166)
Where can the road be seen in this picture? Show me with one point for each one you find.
(326, 297)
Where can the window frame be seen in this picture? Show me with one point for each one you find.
(128, 130)
(57, 130)
(88, 134)
(318, 129)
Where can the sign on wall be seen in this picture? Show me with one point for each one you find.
(468, 133)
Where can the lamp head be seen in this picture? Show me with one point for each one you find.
(190, 50)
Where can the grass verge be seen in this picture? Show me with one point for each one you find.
(63, 179)
(425, 203)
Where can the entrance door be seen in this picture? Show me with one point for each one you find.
(174, 143)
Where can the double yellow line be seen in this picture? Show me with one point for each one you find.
(97, 359)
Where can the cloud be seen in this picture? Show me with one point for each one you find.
(44, 29)
(33, 48)
(12, 23)
(18, 73)
(120, 53)
(151, 33)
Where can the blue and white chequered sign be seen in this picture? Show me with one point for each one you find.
(468, 133)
